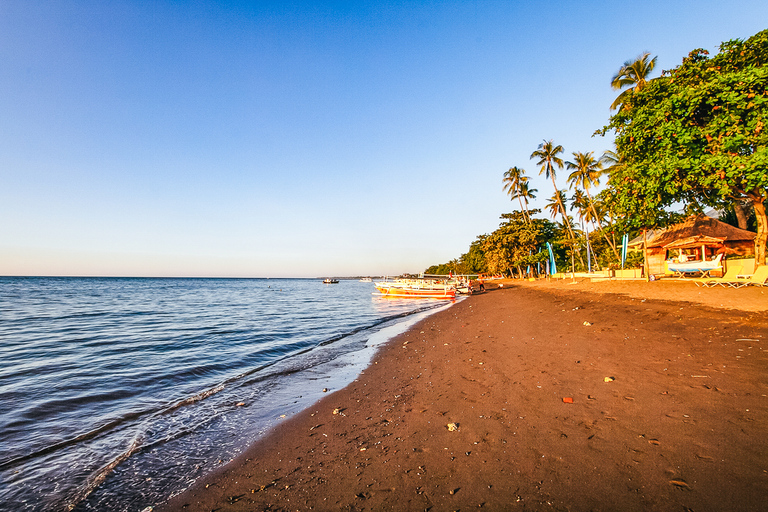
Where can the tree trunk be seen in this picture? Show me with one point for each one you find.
(741, 214)
(762, 228)
(523, 211)
(594, 212)
(564, 214)
(645, 254)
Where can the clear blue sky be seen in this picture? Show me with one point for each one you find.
(169, 138)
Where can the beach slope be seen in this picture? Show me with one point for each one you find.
(530, 398)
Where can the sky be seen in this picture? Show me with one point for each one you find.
(301, 139)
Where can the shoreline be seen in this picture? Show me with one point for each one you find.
(681, 425)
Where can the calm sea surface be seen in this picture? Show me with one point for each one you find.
(117, 393)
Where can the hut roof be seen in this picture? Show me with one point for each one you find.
(694, 241)
(696, 226)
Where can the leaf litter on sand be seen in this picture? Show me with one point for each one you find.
(680, 484)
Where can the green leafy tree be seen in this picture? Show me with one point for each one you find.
(473, 261)
(697, 135)
(515, 243)
(633, 75)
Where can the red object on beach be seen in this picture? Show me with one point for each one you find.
(568, 400)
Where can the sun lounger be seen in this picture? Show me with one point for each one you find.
(759, 278)
(729, 277)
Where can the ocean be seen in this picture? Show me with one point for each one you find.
(117, 393)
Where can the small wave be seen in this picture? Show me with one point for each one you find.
(192, 399)
(241, 379)
(101, 474)
(110, 427)
(107, 427)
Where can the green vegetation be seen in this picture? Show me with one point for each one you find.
(695, 136)
(633, 74)
(510, 249)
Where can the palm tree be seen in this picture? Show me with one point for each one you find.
(513, 180)
(547, 153)
(632, 74)
(584, 206)
(580, 203)
(555, 207)
(526, 192)
(611, 161)
(586, 172)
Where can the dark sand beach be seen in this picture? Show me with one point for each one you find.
(471, 409)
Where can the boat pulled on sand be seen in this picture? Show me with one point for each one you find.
(416, 289)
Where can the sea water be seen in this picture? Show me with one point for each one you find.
(116, 393)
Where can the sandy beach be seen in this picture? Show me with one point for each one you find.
(536, 396)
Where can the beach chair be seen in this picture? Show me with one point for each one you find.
(759, 278)
(731, 276)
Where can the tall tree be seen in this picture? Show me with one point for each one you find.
(633, 75)
(556, 207)
(548, 160)
(584, 207)
(580, 203)
(513, 181)
(586, 172)
(526, 192)
(697, 135)
(516, 242)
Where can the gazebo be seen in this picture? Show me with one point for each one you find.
(698, 237)
(697, 243)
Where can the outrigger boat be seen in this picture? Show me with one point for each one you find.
(702, 267)
(416, 288)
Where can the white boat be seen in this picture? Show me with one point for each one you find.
(702, 267)
(416, 289)
(366, 280)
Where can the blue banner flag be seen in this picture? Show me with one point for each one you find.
(624, 243)
(552, 266)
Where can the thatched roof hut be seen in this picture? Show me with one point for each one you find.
(696, 235)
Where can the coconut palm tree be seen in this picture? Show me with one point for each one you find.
(513, 180)
(548, 159)
(634, 75)
(526, 192)
(556, 207)
(580, 203)
(611, 161)
(586, 172)
(584, 207)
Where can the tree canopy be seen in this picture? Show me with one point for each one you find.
(696, 135)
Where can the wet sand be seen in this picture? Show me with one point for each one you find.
(472, 409)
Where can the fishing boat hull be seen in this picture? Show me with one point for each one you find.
(402, 291)
(695, 266)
